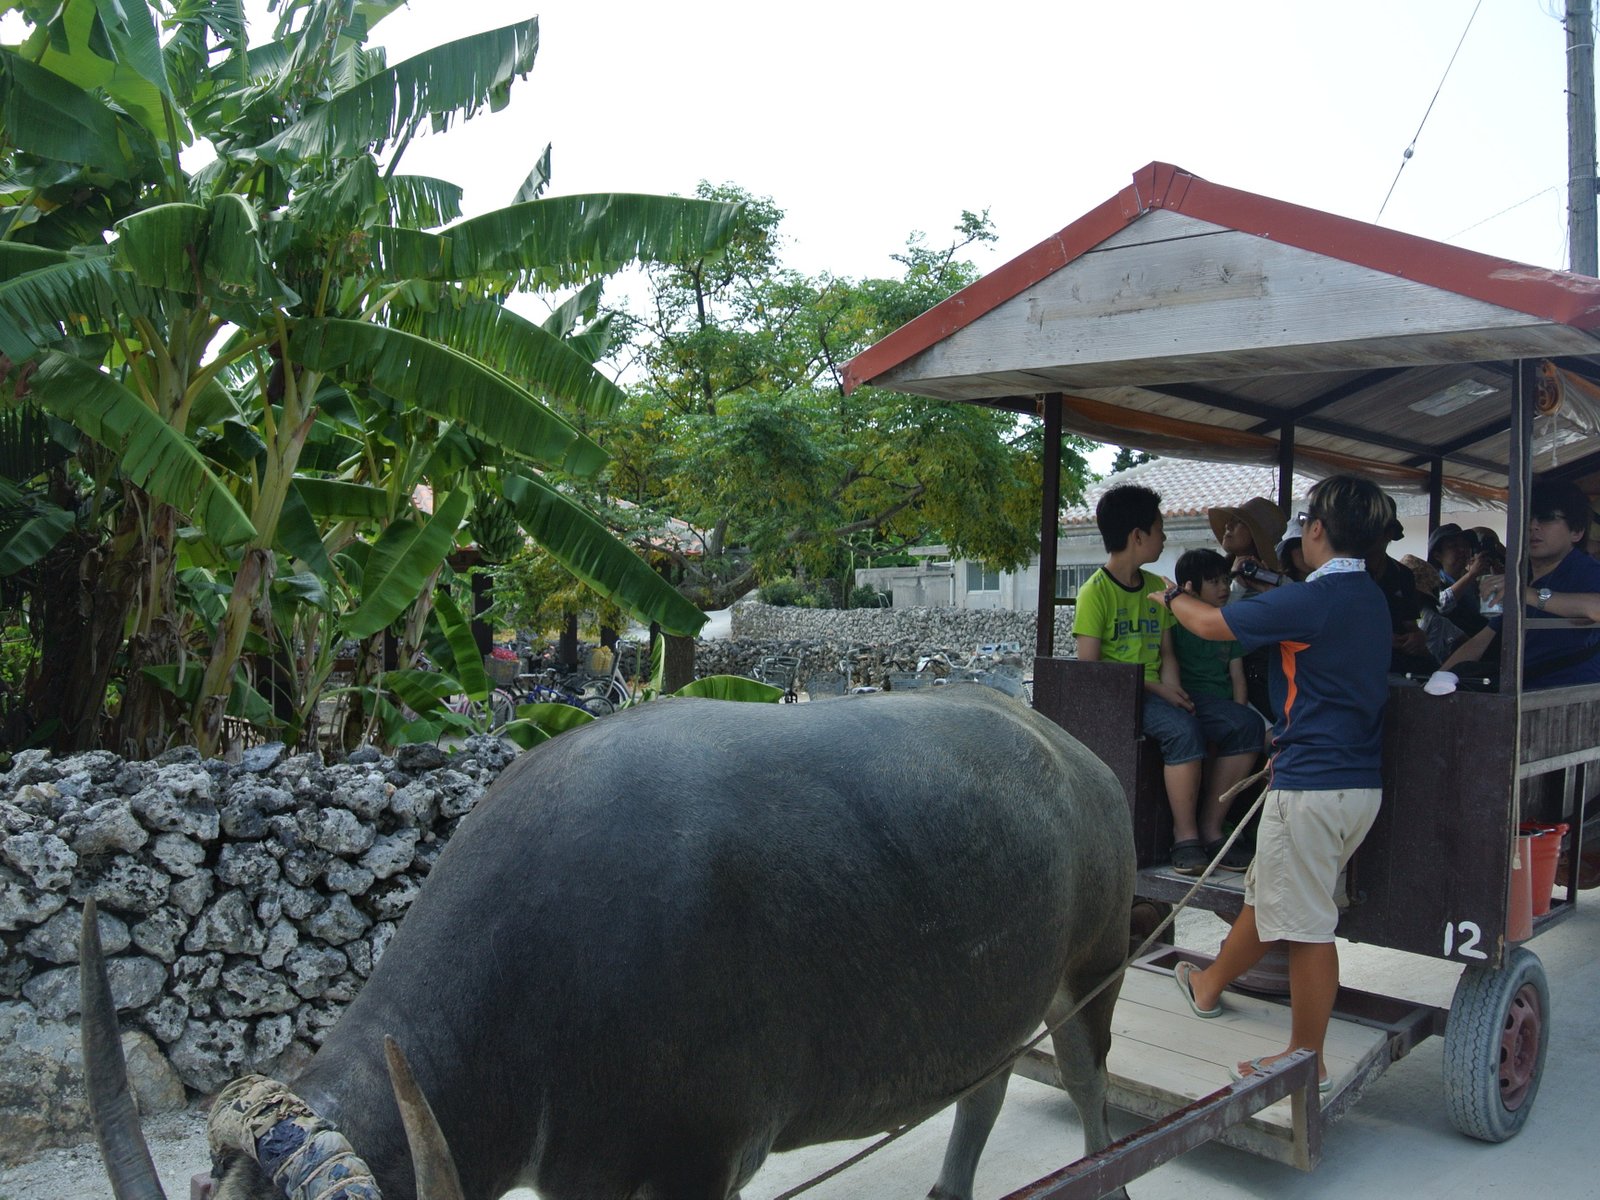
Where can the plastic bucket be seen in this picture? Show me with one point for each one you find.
(1546, 842)
(1519, 904)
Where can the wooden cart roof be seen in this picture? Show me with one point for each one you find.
(1188, 318)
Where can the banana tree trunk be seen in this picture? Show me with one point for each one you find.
(254, 575)
(148, 715)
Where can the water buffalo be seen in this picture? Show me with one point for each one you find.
(678, 939)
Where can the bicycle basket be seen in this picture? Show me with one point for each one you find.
(502, 671)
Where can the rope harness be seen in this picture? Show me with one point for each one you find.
(1006, 1064)
(304, 1155)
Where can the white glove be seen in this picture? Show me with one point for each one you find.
(1441, 683)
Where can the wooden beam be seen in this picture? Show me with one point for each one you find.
(1200, 394)
(1329, 398)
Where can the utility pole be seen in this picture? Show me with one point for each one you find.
(1581, 233)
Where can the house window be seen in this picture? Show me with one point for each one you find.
(1070, 579)
(981, 579)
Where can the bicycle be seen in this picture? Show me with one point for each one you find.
(542, 687)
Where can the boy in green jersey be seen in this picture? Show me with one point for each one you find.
(1116, 621)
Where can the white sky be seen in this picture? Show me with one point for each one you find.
(866, 120)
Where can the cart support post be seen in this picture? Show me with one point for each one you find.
(1286, 470)
(1519, 480)
(1049, 524)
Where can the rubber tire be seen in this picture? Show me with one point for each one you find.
(1480, 1015)
(597, 706)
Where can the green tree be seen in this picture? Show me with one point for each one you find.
(253, 366)
(743, 430)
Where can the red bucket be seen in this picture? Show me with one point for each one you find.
(1546, 846)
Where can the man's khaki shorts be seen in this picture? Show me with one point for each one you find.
(1305, 840)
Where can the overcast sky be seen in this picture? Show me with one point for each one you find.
(866, 120)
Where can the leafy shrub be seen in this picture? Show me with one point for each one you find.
(868, 597)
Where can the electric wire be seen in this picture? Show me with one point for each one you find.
(1504, 211)
(1412, 148)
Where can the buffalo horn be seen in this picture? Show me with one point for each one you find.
(116, 1118)
(430, 1155)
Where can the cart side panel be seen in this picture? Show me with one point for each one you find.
(1433, 874)
(1099, 703)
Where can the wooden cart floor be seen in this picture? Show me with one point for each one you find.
(1163, 1057)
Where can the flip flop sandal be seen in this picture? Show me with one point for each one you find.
(1256, 1066)
(1189, 857)
(1180, 976)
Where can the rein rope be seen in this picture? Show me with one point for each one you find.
(1010, 1060)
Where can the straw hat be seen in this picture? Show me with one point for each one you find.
(1264, 520)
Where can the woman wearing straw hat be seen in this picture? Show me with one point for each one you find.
(1249, 537)
(1249, 534)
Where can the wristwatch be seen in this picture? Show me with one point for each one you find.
(1544, 598)
(1175, 590)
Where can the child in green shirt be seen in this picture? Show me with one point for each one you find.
(1115, 620)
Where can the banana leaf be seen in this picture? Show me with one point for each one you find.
(731, 687)
(460, 76)
(244, 701)
(109, 52)
(28, 534)
(419, 690)
(298, 534)
(565, 240)
(38, 308)
(155, 456)
(400, 563)
(528, 353)
(49, 116)
(554, 718)
(334, 499)
(449, 385)
(587, 548)
(468, 661)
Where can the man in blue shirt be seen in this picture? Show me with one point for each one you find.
(1565, 583)
(1329, 679)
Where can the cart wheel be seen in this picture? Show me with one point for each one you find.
(1494, 1046)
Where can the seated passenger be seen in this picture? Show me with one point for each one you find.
(1565, 583)
(1291, 555)
(1409, 645)
(1116, 621)
(1443, 634)
(1450, 550)
(1213, 675)
(1249, 537)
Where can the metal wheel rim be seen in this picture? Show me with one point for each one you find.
(1519, 1047)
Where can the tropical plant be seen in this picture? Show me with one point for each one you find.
(258, 364)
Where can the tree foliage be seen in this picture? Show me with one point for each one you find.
(741, 426)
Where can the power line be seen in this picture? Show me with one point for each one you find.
(1412, 148)
(1504, 211)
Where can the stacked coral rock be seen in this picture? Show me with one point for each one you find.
(241, 907)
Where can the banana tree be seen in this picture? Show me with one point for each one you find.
(347, 294)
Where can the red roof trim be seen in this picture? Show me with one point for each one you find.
(1557, 296)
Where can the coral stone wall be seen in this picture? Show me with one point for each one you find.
(241, 907)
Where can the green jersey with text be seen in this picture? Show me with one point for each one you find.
(1127, 622)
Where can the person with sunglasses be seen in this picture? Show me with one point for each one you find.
(1564, 582)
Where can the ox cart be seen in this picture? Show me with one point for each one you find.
(1194, 320)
